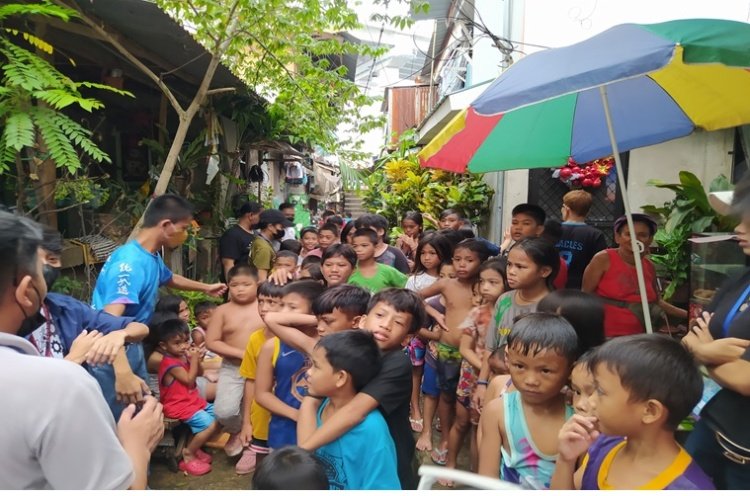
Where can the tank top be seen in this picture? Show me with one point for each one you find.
(289, 374)
(180, 402)
(525, 464)
(620, 282)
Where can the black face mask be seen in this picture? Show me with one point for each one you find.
(50, 275)
(279, 234)
(32, 322)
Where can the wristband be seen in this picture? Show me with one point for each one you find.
(482, 383)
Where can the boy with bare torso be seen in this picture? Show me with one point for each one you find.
(227, 336)
(459, 299)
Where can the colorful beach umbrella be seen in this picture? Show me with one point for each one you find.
(631, 86)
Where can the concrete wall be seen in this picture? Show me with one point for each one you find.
(705, 154)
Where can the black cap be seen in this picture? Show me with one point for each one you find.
(651, 223)
(273, 216)
(249, 208)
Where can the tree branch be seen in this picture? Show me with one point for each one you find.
(125, 52)
(216, 91)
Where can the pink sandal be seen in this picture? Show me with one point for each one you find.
(194, 467)
(203, 456)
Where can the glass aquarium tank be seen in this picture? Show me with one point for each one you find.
(714, 258)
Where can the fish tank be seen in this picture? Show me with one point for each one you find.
(714, 258)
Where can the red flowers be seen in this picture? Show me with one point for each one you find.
(588, 175)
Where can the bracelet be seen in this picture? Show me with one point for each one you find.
(482, 383)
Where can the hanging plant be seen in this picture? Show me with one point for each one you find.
(588, 175)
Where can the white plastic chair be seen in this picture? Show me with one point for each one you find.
(431, 473)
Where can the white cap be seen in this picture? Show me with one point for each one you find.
(721, 201)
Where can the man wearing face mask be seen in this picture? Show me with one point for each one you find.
(271, 228)
(70, 329)
(57, 432)
(129, 282)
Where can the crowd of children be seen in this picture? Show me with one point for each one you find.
(332, 368)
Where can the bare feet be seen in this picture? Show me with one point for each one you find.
(424, 442)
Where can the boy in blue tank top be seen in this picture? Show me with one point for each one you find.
(519, 429)
(280, 387)
(364, 457)
(645, 385)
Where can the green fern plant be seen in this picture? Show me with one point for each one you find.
(27, 80)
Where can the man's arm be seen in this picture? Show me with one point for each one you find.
(117, 309)
(344, 420)
(286, 327)
(129, 388)
(106, 349)
(180, 282)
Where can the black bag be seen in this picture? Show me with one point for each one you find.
(726, 414)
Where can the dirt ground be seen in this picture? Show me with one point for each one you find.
(223, 477)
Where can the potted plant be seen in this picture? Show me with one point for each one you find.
(686, 214)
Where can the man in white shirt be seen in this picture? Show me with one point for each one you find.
(57, 431)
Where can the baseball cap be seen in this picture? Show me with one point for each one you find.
(273, 216)
(636, 218)
(249, 208)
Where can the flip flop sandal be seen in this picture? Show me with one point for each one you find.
(194, 467)
(439, 456)
(416, 425)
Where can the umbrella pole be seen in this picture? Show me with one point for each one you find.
(628, 212)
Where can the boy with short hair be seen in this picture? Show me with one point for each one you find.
(450, 219)
(519, 429)
(328, 235)
(370, 274)
(280, 382)
(384, 253)
(393, 316)
(179, 367)
(203, 311)
(578, 242)
(365, 457)
(227, 336)
(337, 264)
(286, 260)
(527, 222)
(255, 418)
(645, 386)
(337, 309)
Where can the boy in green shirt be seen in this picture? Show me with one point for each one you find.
(369, 274)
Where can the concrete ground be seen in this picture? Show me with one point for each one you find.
(223, 477)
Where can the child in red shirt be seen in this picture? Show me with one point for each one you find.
(177, 373)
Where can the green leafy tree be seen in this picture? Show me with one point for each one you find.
(33, 95)
(397, 184)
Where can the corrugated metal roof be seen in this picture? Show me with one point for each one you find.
(443, 26)
(146, 24)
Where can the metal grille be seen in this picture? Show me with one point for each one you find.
(547, 192)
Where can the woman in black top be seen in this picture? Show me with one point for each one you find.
(720, 442)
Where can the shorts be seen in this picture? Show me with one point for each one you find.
(201, 383)
(429, 380)
(467, 383)
(416, 351)
(448, 369)
(202, 419)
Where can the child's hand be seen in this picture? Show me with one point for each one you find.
(281, 276)
(246, 434)
(506, 235)
(193, 353)
(576, 436)
(81, 345)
